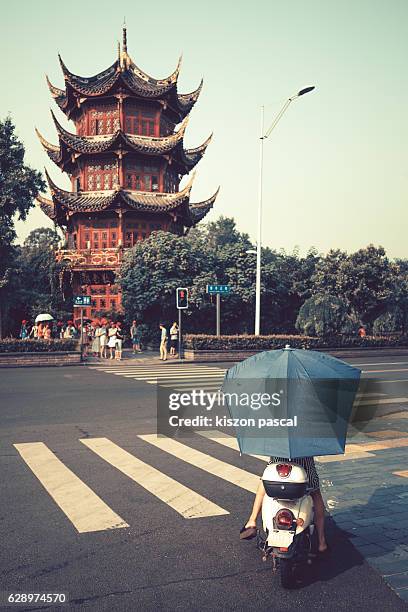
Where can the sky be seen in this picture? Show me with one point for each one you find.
(335, 168)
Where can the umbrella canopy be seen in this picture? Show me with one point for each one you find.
(43, 317)
(297, 403)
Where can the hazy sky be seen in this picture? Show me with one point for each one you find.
(336, 166)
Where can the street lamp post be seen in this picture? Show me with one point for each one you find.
(264, 136)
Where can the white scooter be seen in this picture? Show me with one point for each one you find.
(287, 518)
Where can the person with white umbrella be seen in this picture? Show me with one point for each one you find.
(38, 328)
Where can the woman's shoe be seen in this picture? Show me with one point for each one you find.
(247, 533)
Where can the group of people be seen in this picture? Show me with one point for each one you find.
(103, 339)
(44, 331)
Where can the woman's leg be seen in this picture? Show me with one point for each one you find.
(318, 505)
(256, 508)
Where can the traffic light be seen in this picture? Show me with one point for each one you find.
(182, 298)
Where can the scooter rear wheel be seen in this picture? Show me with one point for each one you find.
(286, 573)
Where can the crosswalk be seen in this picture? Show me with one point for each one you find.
(173, 375)
(88, 512)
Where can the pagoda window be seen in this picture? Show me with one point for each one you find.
(170, 182)
(102, 176)
(142, 177)
(142, 121)
(104, 120)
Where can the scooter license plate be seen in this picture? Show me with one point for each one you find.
(280, 539)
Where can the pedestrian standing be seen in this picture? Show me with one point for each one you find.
(47, 332)
(174, 332)
(103, 341)
(23, 330)
(163, 342)
(69, 330)
(34, 331)
(84, 331)
(96, 342)
(119, 341)
(136, 335)
(112, 339)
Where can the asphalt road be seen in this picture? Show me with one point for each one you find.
(161, 560)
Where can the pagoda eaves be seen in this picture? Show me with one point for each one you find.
(72, 147)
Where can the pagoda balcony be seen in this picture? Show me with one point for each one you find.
(85, 259)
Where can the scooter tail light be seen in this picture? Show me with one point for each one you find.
(284, 519)
(284, 469)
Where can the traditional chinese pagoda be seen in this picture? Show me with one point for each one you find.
(125, 162)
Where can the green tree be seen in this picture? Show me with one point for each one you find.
(365, 279)
(19, 185)
(155, 267)
(326, 315)
(38, 288)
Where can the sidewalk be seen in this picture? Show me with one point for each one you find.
(366, 492)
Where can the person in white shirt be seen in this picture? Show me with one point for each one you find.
(163, 342)
(174, 330)
(112, 339)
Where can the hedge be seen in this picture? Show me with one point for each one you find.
(207, 342)
(32, 345)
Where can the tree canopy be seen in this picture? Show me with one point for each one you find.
(19, 185)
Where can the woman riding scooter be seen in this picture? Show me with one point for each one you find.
(249, 530)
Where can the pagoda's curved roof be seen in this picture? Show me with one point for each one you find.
(88, 145)
(123, 75)
(64, 202)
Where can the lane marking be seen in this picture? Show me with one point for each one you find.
(382, 363)
(380, 382)
(173, 376)
(237, 476)
(353, 451)
(158, 369)
(361, 395)
(374, 402)
(385, 444)
(226, 440)
(190, 386)
(377, 371)
(348, 456)
(404, 473)
(183, 500)
(86, 511)
(164, 370)
(386, 434)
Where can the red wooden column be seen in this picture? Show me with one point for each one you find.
(120, 170)
(120, 229)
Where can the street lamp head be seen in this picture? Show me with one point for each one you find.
(306, 90)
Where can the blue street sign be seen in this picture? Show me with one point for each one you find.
(82, 300)
(218, 288)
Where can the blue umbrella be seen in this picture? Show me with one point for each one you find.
(291, 403)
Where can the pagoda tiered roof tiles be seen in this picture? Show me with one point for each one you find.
(148, 145)
(126, 77)
(66, 202)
